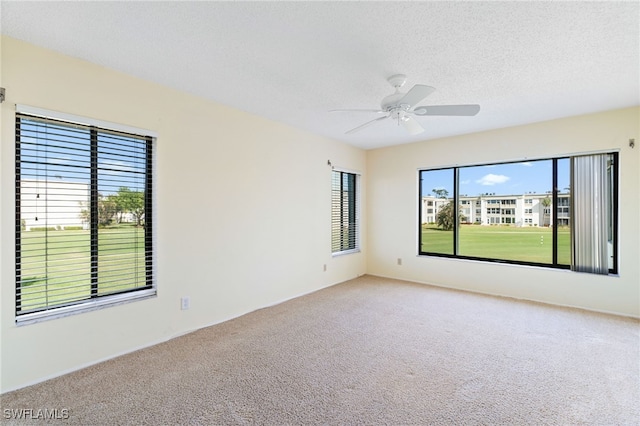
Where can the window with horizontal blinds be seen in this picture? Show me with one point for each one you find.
(344, 212)
(83, 214)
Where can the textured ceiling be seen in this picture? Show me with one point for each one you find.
(293, 61)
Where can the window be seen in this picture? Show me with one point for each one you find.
(344, 212)
(83, 216)
(437, 189)
(555, 227)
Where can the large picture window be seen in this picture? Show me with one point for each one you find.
(558, 212)
(83, 216)
(344, 212)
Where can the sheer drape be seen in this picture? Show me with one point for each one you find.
(590, 214)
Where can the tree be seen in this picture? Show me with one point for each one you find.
(132, 202)
(444, 218)
(120, 210)
(107, 208)
(545, 202)
(440, 193)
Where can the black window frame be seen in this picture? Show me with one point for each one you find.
(95, 299)
(554, 195)
(345, 213)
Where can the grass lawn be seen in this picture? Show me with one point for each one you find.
(526, 244)
(56, 265)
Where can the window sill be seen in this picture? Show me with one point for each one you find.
(564, 268)
(342, 253)
(88, 306)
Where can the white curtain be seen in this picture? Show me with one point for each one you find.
(590, 201)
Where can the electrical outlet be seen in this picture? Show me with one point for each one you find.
(324, 267)
(399, 261)
(185, 303)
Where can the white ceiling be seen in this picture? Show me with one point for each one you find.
(293, 61)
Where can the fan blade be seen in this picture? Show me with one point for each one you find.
(368, 123)
(416, 94)
(447, 110)
(411, 125)
(358, 110)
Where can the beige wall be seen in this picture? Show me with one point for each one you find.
(256, 230)
(392, 206)
(230, 258)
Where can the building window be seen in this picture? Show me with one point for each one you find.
(345, 210)
(551, 234)
(84, 231)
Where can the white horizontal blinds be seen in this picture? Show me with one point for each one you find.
(344, 212)
(591, 213)
(79, 225)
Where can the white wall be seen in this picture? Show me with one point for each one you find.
(393, 213)
(242, 213)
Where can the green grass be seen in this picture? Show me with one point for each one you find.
(56, 265)
(524, 244)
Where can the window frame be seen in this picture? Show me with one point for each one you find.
(554, 196)
(355, 213)
(95, 128)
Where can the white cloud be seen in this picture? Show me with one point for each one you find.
(492, 179)
(527, 164)
(465, 182)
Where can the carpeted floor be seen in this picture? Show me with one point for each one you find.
(369, 351)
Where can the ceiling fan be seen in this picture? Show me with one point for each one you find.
(400, 107)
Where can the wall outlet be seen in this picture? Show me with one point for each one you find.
(324, 267)
(399, 261)
(185, 303)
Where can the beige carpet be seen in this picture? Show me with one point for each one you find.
(370, 351)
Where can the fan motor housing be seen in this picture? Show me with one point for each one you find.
(391, 102)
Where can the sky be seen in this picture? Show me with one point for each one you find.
(62, 152)
(501, 179)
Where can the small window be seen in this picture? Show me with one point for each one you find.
(345, 210)
(83, 217)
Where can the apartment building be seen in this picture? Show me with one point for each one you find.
(53, 204)
(490, 209)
